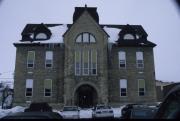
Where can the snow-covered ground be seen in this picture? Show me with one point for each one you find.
(4, 112)
(84, 113)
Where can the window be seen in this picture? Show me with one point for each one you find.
(123, 87)
(141, 87)
(93, 62)
(139, 60)
(47, 87)
(49, 59)
(30, 59)
(122, 59)
(88, 60)
(128, 36)
(85, 62)
(29, 87)
(41, 36)
(85, 38)
(77, 62)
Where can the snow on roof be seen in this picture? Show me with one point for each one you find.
(113, 33)
(56, 37)
(57, 34)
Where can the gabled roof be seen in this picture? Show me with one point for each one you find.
(91, 10)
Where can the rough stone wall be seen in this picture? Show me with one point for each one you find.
(132, 74)
(85, 24)
(39, 73)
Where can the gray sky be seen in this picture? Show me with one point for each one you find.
(160, 19)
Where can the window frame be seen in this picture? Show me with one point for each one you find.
(144, 91)
(49, 59)
(123, 88)
(92, 64)
(41, 38)
(29, 88)
(137, 60)
(28, 58)
(80, 52)
(129, 35)
(122, 60)
(84, 63)
(45, 89)
(81, 35)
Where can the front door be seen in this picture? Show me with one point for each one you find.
(86, 96)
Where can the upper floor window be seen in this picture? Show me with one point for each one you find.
(88, 60)
(139, 60)
(41, 36)
(30, 59)
(123, 87)
(85, 38)
(29, 87)
(122, 59)
(141, 87)
(128, 36)
(77, 62)
(49, 59)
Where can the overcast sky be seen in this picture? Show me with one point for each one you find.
(160, 19)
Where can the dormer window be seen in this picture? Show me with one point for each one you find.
(41, 36)
(85, 38)
(128, 36)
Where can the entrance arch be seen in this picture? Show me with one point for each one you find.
(86, 96)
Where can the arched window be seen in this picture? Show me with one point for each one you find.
(41, 36)
(85, 38)
(128, 36)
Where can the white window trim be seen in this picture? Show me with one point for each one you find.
(51, 60)
(82, 38)
(33, 58)
(144, 88)
(32, 88)
(120, 87)
(83, 63)
(92, 65)
(41, 36)
(79, 64)
(122, 59)
(139, 59)
(51, 89)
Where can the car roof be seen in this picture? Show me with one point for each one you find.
(34, 114)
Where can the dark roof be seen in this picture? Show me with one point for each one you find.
(135, 43)
(91, 10)
(29, 28)
(138, 28)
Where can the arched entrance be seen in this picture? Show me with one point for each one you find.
(85, 96)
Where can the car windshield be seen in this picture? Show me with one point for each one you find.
(70, 109)
(141, 114)
(103, 107)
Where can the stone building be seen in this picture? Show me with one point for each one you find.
(84, 63)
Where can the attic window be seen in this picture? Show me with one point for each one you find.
(85, 38)
(41, 36)
(128, 36)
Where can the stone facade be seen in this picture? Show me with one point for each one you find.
(65, 84)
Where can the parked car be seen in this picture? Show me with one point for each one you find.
(170, 107)
(102, 111)
(142, 113)
(138, 111)
(40, 107)
(70, 112)
(126, 111)
(33, 115)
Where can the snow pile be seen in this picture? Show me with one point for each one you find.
(113, 33)
(85, 113)
(57, 34)
(4, 112)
